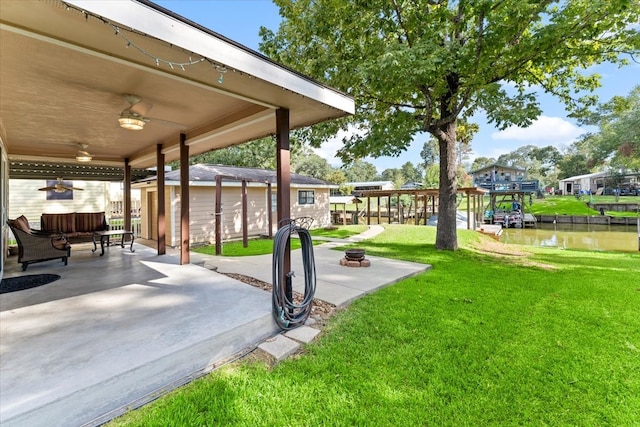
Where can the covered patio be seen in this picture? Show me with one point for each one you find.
(75, 77)
(132, 85)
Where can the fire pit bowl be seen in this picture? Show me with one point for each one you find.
(354, 254)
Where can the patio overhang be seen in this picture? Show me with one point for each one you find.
(66, 66)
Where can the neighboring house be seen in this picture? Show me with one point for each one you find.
(309, 198)
(371, 185)
(582, 184)
(498, 178)
(411, 185)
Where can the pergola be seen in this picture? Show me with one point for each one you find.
(68, 70)
(427, 199)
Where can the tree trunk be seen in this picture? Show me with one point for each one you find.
(446, 233)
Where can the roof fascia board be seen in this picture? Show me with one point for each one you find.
(147, 20)
(225, 183)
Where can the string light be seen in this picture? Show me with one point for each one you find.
(159, 61)
(222, 70)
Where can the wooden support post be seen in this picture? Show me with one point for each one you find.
(283, 181)
(245, 219)
(161, 220)
(389, 209)
(184, 201)
(424, 207)
(378, 210)
(218, 215)
(475, 212)
(127, 197)
(270, 210)
(368, 210)
(469, 213)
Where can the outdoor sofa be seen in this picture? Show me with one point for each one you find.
(37, 245)
(76, 226)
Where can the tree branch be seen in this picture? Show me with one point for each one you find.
(401, 22)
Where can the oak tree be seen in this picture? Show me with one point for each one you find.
(421, 65)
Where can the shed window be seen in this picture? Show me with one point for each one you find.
(306, 197)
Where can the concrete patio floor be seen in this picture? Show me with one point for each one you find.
(117, 330)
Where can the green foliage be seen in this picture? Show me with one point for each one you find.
(482, 162)
(429, 153)
(410, 172)
(421, 66)
(255, 154)
(432, 176)
(313, 165)
(360, 170)
(618, 140)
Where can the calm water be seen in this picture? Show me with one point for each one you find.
(575, 236)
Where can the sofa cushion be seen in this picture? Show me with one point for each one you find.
(60, 222)
(22, 223)
(90, 221)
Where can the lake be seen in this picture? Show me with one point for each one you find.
(575, 236)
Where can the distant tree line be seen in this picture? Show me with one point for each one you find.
(614, 145)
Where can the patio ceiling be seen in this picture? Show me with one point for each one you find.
(65, 67)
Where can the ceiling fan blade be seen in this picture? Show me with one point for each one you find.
(168, 123)
(141, 108)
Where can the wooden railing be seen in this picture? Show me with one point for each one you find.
(116, 216)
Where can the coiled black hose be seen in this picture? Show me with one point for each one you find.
(287, 314)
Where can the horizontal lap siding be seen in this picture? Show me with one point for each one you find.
(319, 211)
(202, 214)
(25, 199)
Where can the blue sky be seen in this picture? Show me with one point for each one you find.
(240, 20)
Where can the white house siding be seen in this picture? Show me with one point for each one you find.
(202, 211)
(25, 199)
(319, 211)
(585, 182)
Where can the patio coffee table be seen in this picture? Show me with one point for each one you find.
(106, 235)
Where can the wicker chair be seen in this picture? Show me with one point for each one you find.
(35, 245)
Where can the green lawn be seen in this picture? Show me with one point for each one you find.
(265, 246)
(552, 338)
(563, 205)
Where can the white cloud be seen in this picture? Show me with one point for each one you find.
(545, 131)
(491, 153)
(328, 149)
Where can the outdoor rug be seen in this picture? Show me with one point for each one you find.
(13, 284)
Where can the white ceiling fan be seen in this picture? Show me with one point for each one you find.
(83, 155)
(60, 187)
(134, 116)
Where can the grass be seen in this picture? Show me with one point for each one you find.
(559, 205)
(254, 247)
(339, 232)
(552, 338)
(265, 246)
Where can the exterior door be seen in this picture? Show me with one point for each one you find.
(152, 202)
